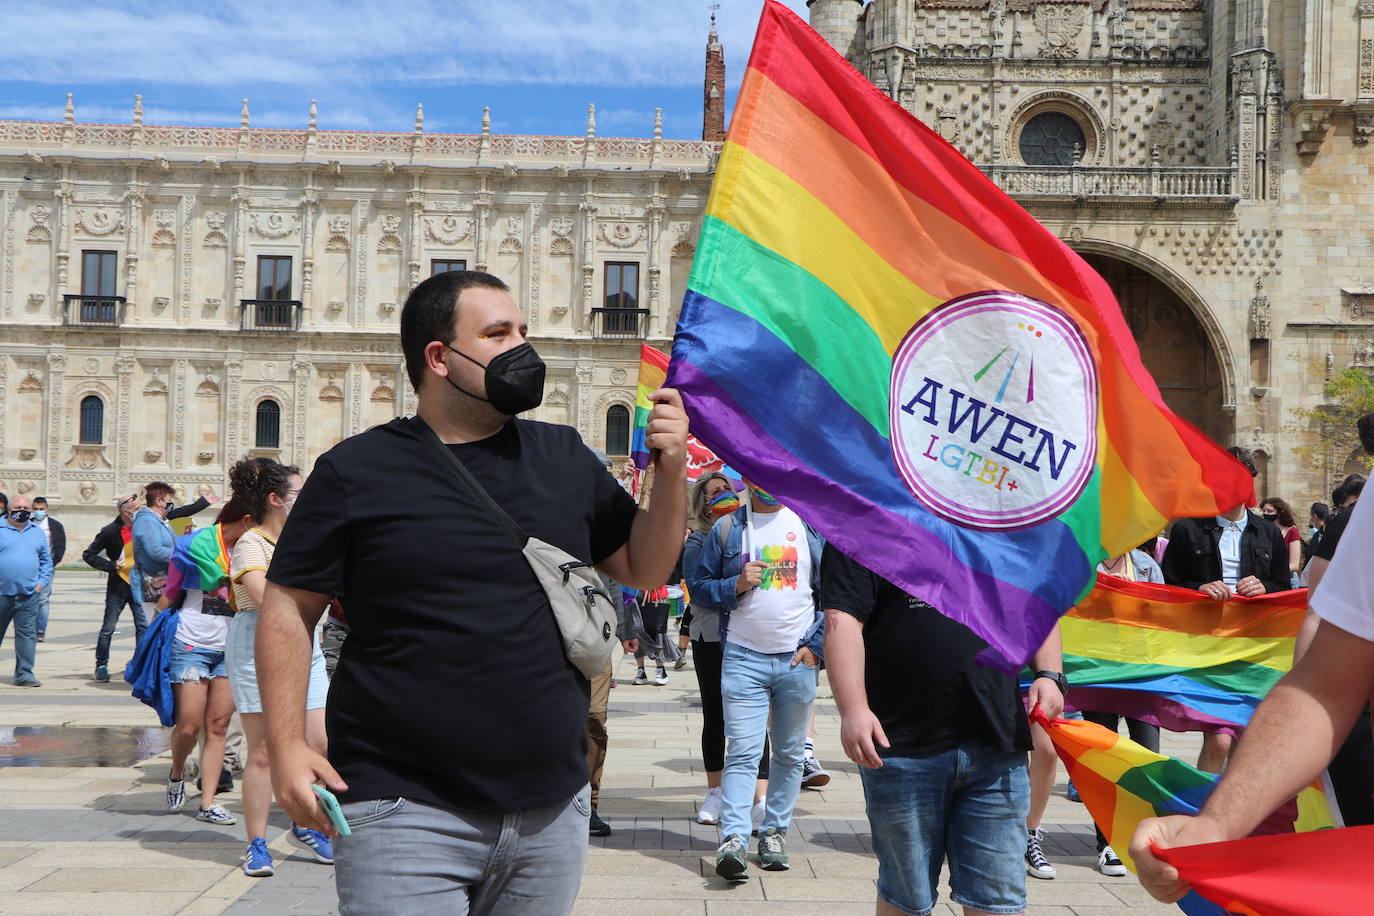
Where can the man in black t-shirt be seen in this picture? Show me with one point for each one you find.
(941, 741)
(456, 722)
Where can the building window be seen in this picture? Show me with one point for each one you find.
(274, 277)
(617, 430)
(99, 270)
(92, 420)
(269, 425)
(444, 265)
(1052, 138)
(622, 284)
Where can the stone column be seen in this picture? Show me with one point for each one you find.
(63, 223)
(125, 364)
(133, 233)
(658, 209)
(359, 310)
(177, 387)
(483, 206)
(240, 243)
(233, 410)
(310, 200)
(300, 373)
(588, 206)
(9, 230)
(415, 241)
(57, 434)
(356, 373)
(534, 254)
(185, 217)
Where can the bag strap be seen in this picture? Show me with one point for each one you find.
(476, 489)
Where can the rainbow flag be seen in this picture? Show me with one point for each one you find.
(653, 369)
(877, 335)
(1122, 783)
(200, 562)
(1176, 658)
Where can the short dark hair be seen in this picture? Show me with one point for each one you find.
(1245, 457)
(1321, 511)
(156, 490)
(232, 511)
(430, 312)
(4, 500)
(40, 499)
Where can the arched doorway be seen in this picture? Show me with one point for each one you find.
(1174, 345)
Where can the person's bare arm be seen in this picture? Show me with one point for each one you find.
(1293, 735)
(1044, 692)
(860, 729)
(282, 652)
(647, 559)
(1316, 569)
(254, 582)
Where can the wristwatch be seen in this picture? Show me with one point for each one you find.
(1059, 680)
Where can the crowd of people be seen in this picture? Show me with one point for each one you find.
(445, 706)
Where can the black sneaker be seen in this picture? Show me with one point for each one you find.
(597, 827)
(102, 674)
(225, 784)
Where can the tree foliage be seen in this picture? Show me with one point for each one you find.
(1329, 428)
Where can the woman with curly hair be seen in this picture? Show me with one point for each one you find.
(267, 489)
(1280, 513)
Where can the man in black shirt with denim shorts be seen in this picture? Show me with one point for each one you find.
(941, 742)
(456, 722)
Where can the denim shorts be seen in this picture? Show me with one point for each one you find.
(189, 665)
(243, 669)
(967, 805)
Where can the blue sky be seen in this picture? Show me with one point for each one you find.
(536, 63)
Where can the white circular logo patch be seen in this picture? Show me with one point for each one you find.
(994, 411)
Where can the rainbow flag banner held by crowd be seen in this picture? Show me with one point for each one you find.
(1175, 657)
(1122, 783)
(877, 335)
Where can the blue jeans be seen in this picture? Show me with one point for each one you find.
(23, 610)
(409, 859)
(44, 606)
(751, 685)
(114, 607)
(968, 805)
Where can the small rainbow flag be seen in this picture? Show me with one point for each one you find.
(1122, 784)
(880, 337)
(1176, 658)
(199, 562)
(653, 369)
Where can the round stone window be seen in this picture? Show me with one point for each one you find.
(1050, 138)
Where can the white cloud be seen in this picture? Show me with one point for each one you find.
(635, 43)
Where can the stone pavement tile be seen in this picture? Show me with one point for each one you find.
(638, 864)
(1130, 893)
(1057, 893)
(763, 908)
(840, 865)
(650, 889)
(18, 877)
(109, 879)
(649, 906)
(9, 855)
(117, 855)
(161, 903)
(790, 887)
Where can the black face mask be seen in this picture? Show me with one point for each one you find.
(20, 516)
(515, 380)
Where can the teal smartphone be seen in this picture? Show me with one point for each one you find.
(332, 809)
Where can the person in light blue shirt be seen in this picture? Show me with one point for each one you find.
(153, 539)
(25, 573)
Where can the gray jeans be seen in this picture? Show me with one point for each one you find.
(407, 858)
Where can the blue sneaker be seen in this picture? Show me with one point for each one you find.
(257, 861)
(316, 842)
(1071, 793)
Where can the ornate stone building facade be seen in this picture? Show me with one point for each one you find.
(1210, 159)
(172, 298)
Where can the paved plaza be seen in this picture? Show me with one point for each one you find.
(85, 829)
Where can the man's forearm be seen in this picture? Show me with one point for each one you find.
(282, 651)
(1296, 730)
(656, 534)
(845, 659)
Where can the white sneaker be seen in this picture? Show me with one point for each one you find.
(1037, 866)
(711, 807)
(1109, 863)
(756, 815)
(641, 678)
(661, 679)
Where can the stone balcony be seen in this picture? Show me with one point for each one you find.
(1141, 186)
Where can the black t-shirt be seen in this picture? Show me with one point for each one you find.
(923, 682)
(1331, 534)
(453, 688)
